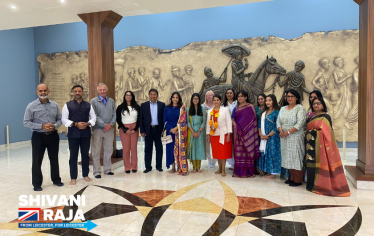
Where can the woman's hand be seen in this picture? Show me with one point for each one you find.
(233, 123)
(228, 137)
(174, 130)
(266, 137)
(196, 134)
(208, 138)
(128, 132)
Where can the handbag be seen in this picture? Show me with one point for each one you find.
(165, 139)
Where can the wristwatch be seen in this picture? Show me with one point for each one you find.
(288, 132)
(73, 124)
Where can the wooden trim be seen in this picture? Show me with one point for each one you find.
(359, 2)
(357, 174)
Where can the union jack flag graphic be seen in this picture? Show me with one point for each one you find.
(29, 214)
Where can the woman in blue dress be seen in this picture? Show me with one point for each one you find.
(171, 117)
(259, 108)
(270, 161)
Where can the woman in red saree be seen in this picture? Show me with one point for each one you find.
(247, 144)
(322, 159)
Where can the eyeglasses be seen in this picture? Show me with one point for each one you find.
(128, 95)
(290, 96)
(317, 104)
(40, 91)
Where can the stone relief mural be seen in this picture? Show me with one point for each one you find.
(327, 62)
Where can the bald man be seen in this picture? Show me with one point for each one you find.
(43, 117)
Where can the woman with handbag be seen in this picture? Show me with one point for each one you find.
(128, 125)
(175, 120)
(196, 143)
(219, 130)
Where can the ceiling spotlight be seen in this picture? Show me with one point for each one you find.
(62, 1)
(13, 7)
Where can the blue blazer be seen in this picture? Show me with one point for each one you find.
(145, 118)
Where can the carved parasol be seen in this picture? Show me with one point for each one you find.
(233, 49)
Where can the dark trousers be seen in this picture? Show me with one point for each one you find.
(153, 137)
(74, 145)
(39, 143)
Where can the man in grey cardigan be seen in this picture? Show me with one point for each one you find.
(103, 131)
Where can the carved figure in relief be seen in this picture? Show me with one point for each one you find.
(118, 75)
(238, 69)
(323, 75)
(211, 81)
(132, 84)
(352, 115)
(84, 82)
(340, 80)
(189, 80)
(156, 83)
(142, 81)
(74, 81)
(178, 84)
(294, 80)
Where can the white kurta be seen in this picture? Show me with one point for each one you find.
(292, 147)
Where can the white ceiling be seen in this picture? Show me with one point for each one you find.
(30, 13)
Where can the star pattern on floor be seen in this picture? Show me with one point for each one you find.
(236, 210)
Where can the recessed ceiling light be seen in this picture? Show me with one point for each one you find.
(62, 1)
(13, 6)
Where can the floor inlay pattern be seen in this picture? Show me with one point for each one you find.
(163, 204)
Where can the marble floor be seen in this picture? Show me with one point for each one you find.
(198, 204)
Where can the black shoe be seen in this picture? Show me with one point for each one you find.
(160, 169)
(38, 189)
(59, 184)
(147, 170)
(134, 171)
(288, 181)
(127, 172)
(98, 176)
(293, 184)
(110, 173)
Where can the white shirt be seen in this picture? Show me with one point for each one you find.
(65, 116)
(129, 118)
(231, 106)
(224, 124)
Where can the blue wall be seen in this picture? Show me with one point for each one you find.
(17, 77)
(281, 18)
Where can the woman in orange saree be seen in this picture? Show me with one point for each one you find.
(322, 159)
(180, 149)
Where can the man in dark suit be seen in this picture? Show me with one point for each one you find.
(151, 126)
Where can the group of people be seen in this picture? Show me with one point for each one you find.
(266, 139)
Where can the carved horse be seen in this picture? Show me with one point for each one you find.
(256, 83)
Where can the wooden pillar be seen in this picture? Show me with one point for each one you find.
(364, 169)
(100, 39)
(100, 27)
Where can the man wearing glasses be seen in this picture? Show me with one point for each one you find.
(43, 117)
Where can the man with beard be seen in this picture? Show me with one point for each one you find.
(43, 117)
(75, 116)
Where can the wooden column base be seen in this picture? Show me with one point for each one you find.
(359, 179)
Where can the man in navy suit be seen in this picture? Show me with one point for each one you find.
(151, 126)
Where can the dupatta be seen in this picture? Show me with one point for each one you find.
(181, 142)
